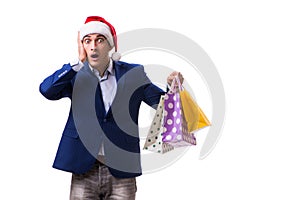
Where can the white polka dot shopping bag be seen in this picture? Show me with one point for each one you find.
(175, 126)
(154, 141)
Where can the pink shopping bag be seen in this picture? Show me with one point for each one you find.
(175, 127)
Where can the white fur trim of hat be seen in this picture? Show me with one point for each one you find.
(97, 27)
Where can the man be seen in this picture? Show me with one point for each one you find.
(100, 143)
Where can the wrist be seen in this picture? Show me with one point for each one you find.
(82, 59)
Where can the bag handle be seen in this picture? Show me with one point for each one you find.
(173, 85)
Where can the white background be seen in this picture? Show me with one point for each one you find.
(255, 46)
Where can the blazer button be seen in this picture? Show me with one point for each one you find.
(104, 120)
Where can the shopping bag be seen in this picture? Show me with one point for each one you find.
(154, 141)
(175, 126)
(195, 117)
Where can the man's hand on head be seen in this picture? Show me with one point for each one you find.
(81, 52)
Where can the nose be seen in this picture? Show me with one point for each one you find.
(93, 45)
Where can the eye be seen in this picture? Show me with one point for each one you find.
(99, 40)
(87, 41)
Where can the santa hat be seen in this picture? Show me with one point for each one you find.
(96, 24)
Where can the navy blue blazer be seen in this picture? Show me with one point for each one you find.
(88, 124)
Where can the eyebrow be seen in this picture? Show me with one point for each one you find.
(98, 36)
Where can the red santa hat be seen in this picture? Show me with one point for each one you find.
(96, 24)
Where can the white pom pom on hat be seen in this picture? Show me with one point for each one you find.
(96, 24)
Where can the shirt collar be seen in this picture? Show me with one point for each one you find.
(109, 69)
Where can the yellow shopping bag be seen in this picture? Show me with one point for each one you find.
(194, 115)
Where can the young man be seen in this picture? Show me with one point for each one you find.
(100, 143)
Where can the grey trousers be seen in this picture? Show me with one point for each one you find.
(99, 184)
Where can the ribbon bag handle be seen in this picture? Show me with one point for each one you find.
(176, 82)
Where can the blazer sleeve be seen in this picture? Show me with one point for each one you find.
(59, 84)
(152, 93)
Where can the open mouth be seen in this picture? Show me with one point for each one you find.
(94, 56)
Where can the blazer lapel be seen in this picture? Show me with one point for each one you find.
(93, 81)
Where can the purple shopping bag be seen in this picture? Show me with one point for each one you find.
(175, 127)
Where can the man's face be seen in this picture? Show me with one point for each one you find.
(97, 49)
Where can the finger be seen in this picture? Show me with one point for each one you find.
(174, 73)
(81, 50)
(78, 37)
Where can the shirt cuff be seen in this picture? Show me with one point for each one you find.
(76, 65)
